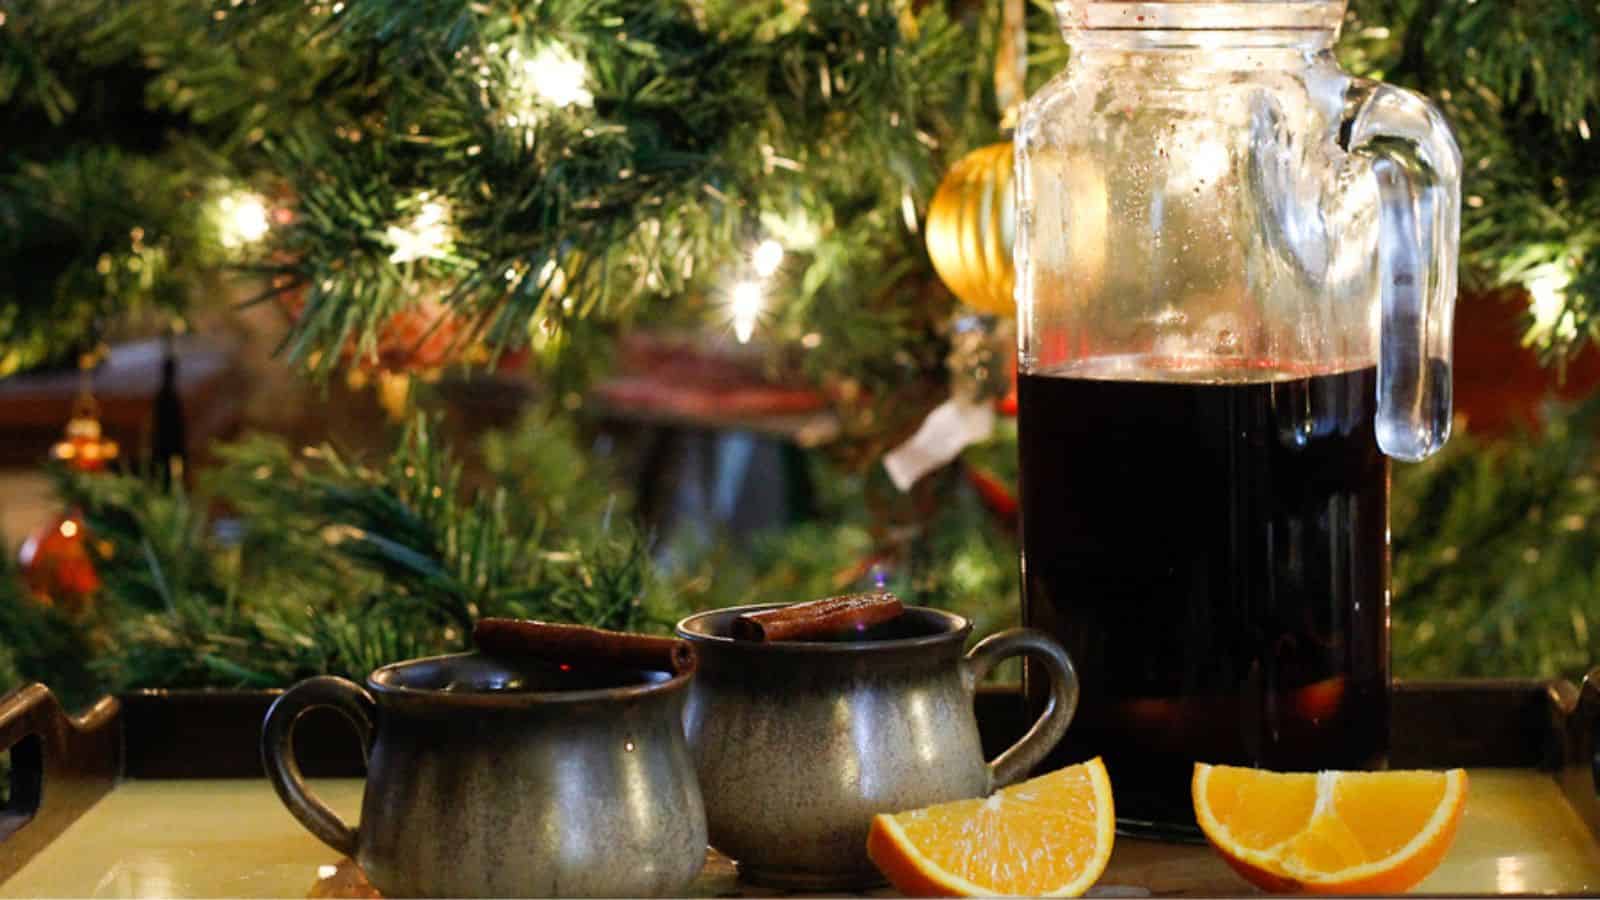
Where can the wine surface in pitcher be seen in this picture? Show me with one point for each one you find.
(1212, 549)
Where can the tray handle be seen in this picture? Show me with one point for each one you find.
(79, 757)
(1588, 736)
(1577, 713)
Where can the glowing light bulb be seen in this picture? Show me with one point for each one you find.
(426, 236)
(558, 78)
(69, 529)
(552, 278)
(1547, 286)
(747, 301)
(767, 258)
(241, 219)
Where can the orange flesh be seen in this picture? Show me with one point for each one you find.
(1334, 830)
(1045, 836)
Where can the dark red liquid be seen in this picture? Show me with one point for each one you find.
(1215, 558)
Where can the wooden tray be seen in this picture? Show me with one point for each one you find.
(161, 793)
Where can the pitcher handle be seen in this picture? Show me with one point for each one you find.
(283, 770)
(1020, 758)
(1417, 165)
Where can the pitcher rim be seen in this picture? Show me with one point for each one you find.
(957, 629)
(1241, 22)
(515, 699)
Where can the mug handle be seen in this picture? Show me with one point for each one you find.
(1020, 758)
(283, 770)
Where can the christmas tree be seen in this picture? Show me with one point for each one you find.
(494, 183)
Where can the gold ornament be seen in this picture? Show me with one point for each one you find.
(83, 446)
(971, 228)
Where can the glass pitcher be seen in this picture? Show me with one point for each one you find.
(1236, 268)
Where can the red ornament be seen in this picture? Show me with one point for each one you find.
(1500, 385)
(1007, 405)
(423, 337)
(57, 567)
(418, 338)
(996, 497)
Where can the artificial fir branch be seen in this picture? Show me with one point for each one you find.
(707, 125)
(333, 566)
(38, 643)
(556, 478)
(1517, 81)
(340, 567)
(1495, 555)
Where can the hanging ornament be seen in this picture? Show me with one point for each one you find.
(971, 227)
(420, 338)
(1007, 405)
(83, 445)
(971, 223)
(57, 567)
(997, 498)
(978, 381)
(55, 561)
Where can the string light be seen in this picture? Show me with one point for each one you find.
(767, 258)
(241, 219)
(551, 77)
(794, 229)
(1547, 286)
(747, 302)
(552, 279)
(426, 236)
(747, 299)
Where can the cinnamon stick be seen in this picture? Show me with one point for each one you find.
(818, 619)
(579, 645)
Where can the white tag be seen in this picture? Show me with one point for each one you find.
(953, 426)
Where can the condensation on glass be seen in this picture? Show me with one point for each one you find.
(1236, 266)
(1204, 183)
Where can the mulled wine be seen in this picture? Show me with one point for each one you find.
(1212, 549)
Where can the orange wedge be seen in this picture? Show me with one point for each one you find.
(1329, 832)
(1047, 837)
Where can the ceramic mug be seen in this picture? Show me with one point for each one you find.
(799, 743)
(488, 777)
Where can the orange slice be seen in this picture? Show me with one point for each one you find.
(1329, 832)
(1047, 837)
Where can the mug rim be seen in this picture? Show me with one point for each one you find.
(957, 629)
(515, 699)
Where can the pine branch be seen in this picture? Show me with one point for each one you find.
(620, 198)
(38, 643)
(334, 566)
(1495, 554)
(557, 479)
(1517, 80)
(707, 126)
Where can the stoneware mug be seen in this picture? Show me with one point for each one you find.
(799, 743)
(495, 778)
